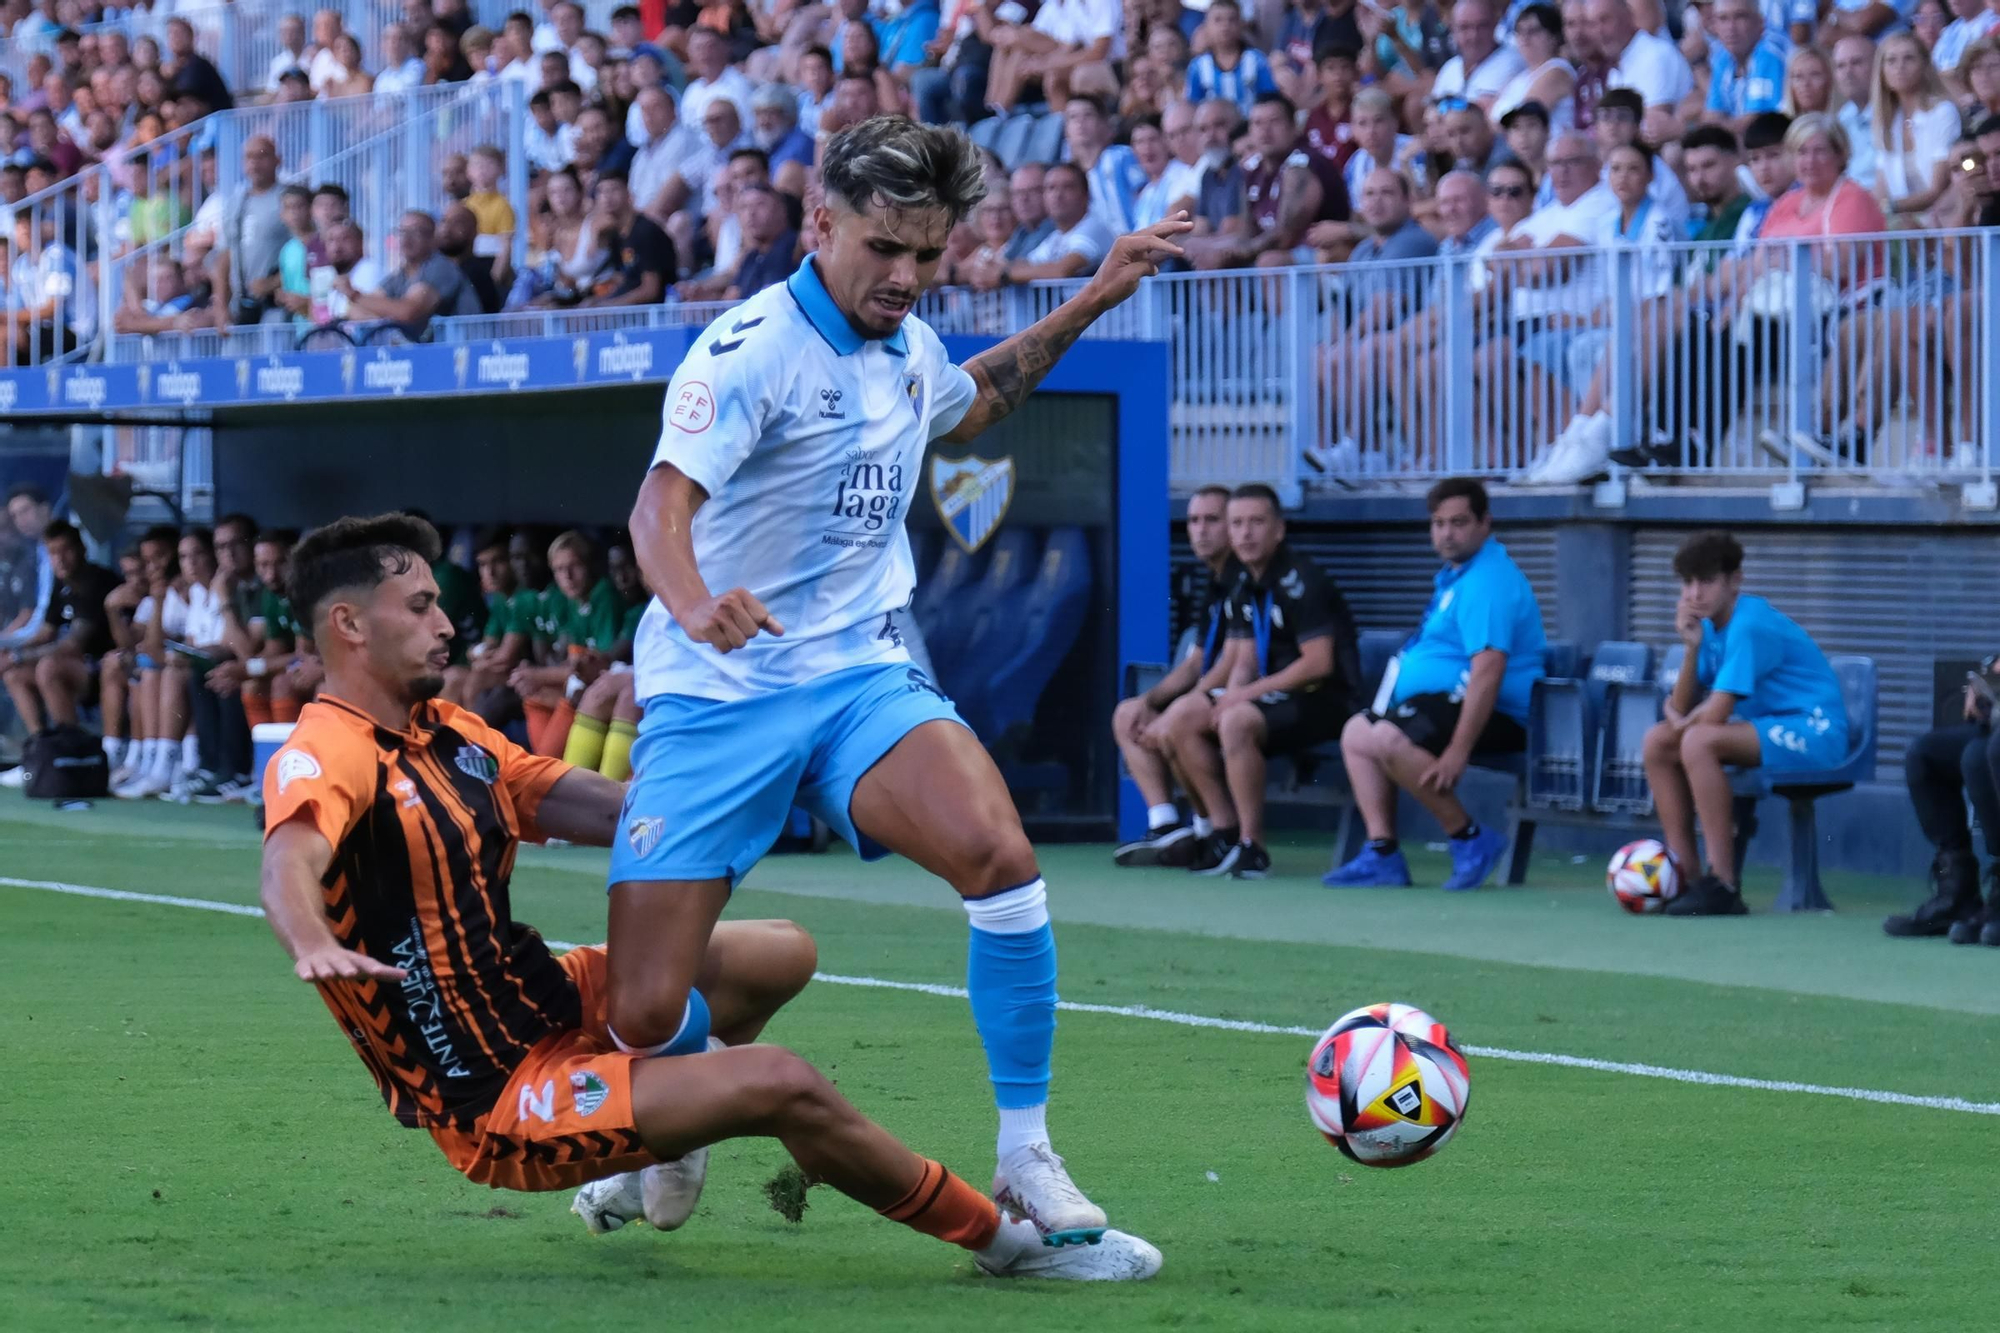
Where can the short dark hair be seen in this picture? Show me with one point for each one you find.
(333, 190)
(817, 50)
(61, 530)
(1257, 490)
(356, 553)
(1718, 137)
(161, 534)
(204, 535)
(276, 537)
(1335, 49)
(1767, 129)
(763, 158)
(1213, 488)
(27, 490)
(237, 519)
(1548, 15)
(1625, 98)
(1278, 100)
(620, 177)
(493, 539)
(1707, 555)
(1083, 177)
(295, 192)
(1469, 489)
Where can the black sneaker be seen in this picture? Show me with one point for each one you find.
(1149, 850)
(1954, 900)
(1707, 896)
(1971, 927)
(1208, 852)
(1244, 860)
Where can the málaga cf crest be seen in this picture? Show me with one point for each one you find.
(972, 495)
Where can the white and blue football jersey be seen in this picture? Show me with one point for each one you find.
(809, 439)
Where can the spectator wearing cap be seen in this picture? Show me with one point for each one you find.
(1482, 68)
(1545, 78)
(1077, 242)
(1329, 130)
(1526, 129)
(1617, 125)
(1651, 66)
(1914, 124)
(427, 284)
(1113, 172)
(1230, 68)
(1030, 208)
(1746, 66)
(1854, 82)
(776, 131)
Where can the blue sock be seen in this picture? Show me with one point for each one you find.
(1011, 974)
(691, 1039)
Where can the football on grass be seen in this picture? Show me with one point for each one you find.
(1642, 876)
(1386, 1086)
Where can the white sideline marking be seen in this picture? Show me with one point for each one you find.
(1668, 1073)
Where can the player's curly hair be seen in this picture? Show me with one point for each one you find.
(1708, 555)
(351, 553)
(894, 162)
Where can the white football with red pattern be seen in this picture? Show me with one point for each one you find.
(1642, 876)
(1386, 1085)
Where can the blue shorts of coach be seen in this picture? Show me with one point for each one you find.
(713, 780)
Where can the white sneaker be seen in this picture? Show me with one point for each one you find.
(668, 1192)
(119, 777)
(151, 782)
(1033, 1184)
(608, 1204)
(1018, 1251)
(15, 778)
(1583, 452)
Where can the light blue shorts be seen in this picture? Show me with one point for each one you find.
(713, 781)
(1801, 742)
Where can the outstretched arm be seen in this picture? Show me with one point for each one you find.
(296, 857)
(1007, 374)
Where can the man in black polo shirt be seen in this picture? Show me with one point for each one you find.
(48, 673)
(642, 260)
(1142, 724)
(1294, 671)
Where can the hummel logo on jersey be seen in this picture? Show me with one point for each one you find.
(829, 405)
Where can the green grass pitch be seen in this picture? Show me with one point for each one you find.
(191, 1145)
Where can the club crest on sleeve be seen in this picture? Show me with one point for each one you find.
(643, 834)
(477, 764)
(294, 765)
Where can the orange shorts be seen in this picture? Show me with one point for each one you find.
(565, 1117)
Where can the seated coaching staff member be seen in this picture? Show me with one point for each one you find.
(1461, 685)
(1295, 670)
(50, 671)
(1139, 724)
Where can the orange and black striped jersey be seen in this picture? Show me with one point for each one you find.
(423, 823)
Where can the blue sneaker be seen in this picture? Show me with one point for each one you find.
(1370, 870)
(1473, 859)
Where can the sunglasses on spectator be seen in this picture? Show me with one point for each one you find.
(1507, 191)
(1449, 104)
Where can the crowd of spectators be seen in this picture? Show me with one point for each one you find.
(678, 162)
(191, 642)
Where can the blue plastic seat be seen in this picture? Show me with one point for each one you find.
(945, 597)
(1801, 891)
(1044, 141)
(1010, 142)
(1377, 646)
(1631, 707)
(973, 630)
(1029, 634)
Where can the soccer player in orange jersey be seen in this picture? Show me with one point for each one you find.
(392, 821)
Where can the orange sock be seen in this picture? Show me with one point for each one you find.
(538, 715)
(284, 709)
(257, 706)
(555, 732)
(942, 1205)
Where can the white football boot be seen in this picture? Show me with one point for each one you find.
(608, 1204)
(1020, 1251)
(664, 1195)
(1032, 1184)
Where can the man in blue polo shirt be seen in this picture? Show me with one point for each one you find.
(1773, 701)
(1460, 686)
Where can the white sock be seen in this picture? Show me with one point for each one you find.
(1202, 826)
(149, 754)
(1160, 816)
(190, 753)
(114, 750)
(168, 760)
(1022, 1127)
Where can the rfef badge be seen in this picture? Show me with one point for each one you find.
(972, 496)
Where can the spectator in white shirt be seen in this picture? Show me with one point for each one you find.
(668, 143)
(1070, 46)
(402, 70)
(1482, 67)
(549, 143)
(1854, 86)
(325, 66)
(1915, 125)
(1170, 182)
(291, 49)
(716, 79)
(1652, 66)
(1077, 245)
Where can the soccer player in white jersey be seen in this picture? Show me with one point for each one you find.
(771, 665)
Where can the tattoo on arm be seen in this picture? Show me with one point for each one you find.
(1007, 374)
